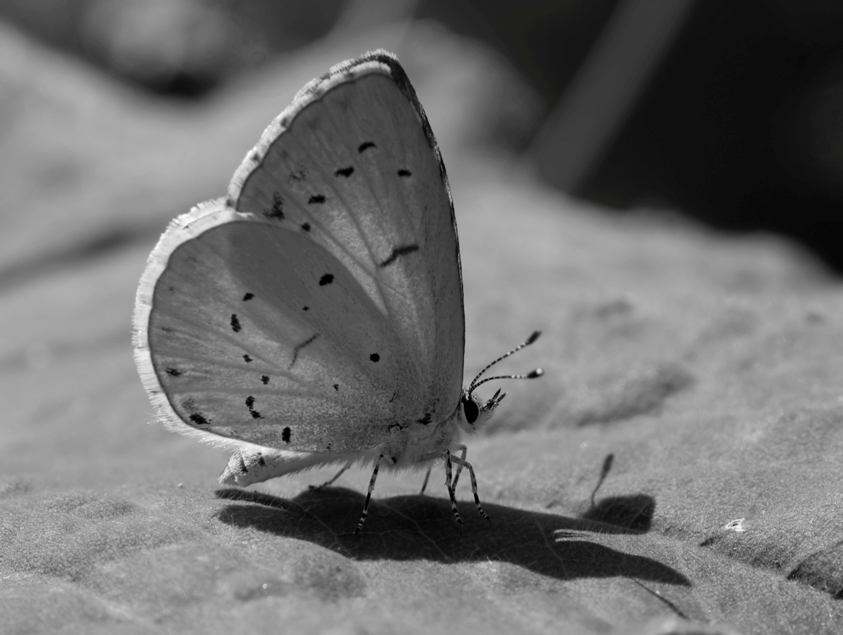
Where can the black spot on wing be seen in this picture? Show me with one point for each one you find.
(261, 460)
(235, 323)
(255, 157)
(403, 250)
(316, 199)
(198, 419)
(285, 434)
(336, 387)
(264, 379)
(277, 209)
(425, 419)
(173, 372)
(375, 357)
(327, 278)
(247, 358)
(305, 227)
(366, 145)
(250, 404)
(346, 172)
(299, 347)
(248, 296)
(404, 173)
(305, 308)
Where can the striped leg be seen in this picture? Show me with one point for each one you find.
(426, 478)
(368, 496)
(462, 450)
(450, 487)
(334, 478)
(462, 463)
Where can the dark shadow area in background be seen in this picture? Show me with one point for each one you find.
(741, 126)
(421, 527)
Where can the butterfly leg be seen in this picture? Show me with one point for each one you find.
(426, 478)
(462, 463)
(331, 481)
(450, 487)
(462, 450)
(368, 496)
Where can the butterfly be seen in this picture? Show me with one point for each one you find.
(314, 315)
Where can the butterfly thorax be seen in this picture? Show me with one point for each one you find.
(421, 442)
(426, 438)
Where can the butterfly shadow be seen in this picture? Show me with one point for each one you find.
(422, 528)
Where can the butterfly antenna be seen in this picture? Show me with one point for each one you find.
(538, 372)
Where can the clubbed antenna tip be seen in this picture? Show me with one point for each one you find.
(538, 372)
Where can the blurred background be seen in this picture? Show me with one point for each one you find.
(728, 112)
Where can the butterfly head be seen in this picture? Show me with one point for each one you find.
(475, 412)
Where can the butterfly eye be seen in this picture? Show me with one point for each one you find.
(471, 410)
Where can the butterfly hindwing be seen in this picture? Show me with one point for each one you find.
(328, 307)
(259, 347)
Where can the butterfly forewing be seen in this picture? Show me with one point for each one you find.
(328, 306)
(353, 164)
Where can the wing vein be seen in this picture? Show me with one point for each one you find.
(211, 391)
(379, 217)
(206, 329)
(350, 215)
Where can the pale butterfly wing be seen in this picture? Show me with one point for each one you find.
(354, 164)
(320, 305)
